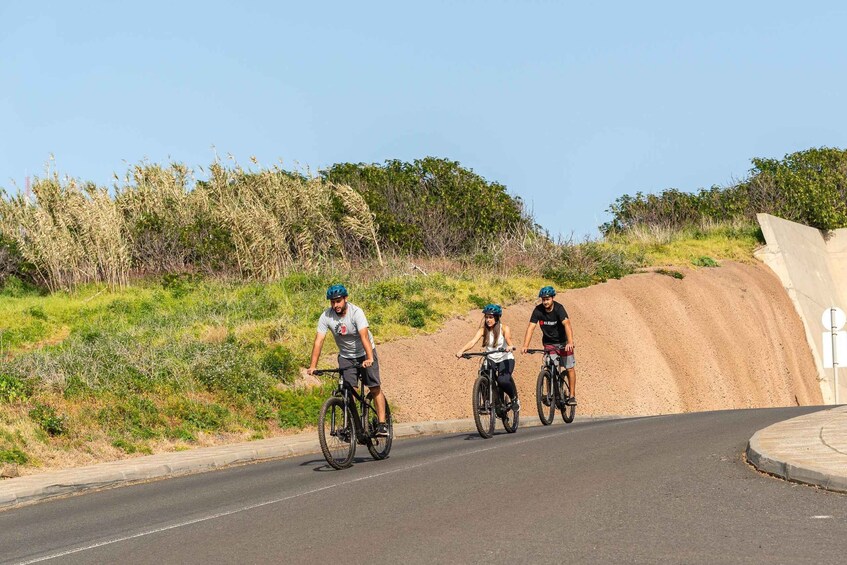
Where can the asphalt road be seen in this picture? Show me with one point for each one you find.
(664, 489)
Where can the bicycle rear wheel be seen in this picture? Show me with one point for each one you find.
(510, 417)
(483, 411)
(337, 439)
(545, 397)
(378, 446)
(568, 412)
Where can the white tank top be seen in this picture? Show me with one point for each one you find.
(501, 344)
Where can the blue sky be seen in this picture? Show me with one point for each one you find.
(569, 105)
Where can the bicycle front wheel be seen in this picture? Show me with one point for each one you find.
(545, 397)
(379, 446)
(337, 433)
(483, 411)
(568, 412)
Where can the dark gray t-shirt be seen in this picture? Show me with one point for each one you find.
(345, 330)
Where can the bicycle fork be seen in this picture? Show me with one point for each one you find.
(333, 426)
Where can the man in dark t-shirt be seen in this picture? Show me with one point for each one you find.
(556, 334)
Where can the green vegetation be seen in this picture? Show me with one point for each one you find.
(165, 361)
(433, 206)
(172, 311)
(808, 187)
(670, 273)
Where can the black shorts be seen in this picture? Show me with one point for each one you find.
(351, 374)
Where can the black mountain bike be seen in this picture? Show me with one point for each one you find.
(552, 389)
(349, 417)
(489, 402)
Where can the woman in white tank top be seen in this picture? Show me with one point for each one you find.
(497, 336)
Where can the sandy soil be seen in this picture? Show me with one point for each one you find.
(720, 338)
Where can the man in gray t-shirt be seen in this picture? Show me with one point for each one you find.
(349, 327)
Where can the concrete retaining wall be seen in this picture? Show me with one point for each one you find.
(812, 266)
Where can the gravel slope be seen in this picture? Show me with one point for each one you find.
(725, 337)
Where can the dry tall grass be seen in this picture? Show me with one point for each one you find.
(70, 234)
(259, 225)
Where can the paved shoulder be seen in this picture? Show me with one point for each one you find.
(809, 449)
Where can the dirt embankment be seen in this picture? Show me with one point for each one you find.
(724, 337)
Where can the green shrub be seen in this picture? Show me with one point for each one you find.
(590, 263)
(132, 416)
(14, 389)
(478, 301)
(670, 273)
(228, 367)
(304, 282)
(199, 416)
(383, 293)
(14, 287)
(13, 455)
(704, 262)
(36, 312)
(280, 362)
(125, 446)
(416, 313)
(432, 205)
(47, 419)
(299, 408)
(809, 187)
(180, 284)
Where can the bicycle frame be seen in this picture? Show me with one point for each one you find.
(495, 396)
(557, 371)
(345, 391)
(494, 405)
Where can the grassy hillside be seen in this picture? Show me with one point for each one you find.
(181, 361)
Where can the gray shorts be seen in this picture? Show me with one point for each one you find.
(351, 374)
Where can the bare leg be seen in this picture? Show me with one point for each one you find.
(572, 381)
(379, 400)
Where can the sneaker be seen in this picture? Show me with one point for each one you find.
(571, 401)
(516, 405)
(381, 430)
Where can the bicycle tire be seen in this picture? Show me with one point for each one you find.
(545, 397)
(379, 446)
(568, 412)
(483, 412)
(511, 418)
(338, 443)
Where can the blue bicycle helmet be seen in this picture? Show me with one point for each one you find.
(546, 291)
(493, 309)
(336, 291)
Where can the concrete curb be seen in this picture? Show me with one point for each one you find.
(34, 488)
(808, 449)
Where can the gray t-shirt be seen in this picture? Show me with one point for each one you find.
(345, 330)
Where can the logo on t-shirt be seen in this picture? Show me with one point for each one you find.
(341, 329)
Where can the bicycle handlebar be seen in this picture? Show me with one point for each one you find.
(486, 353)
(336, 370)
(536, 351)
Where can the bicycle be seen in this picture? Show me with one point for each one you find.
(488, 400)
(550, 392)
(340, 426)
